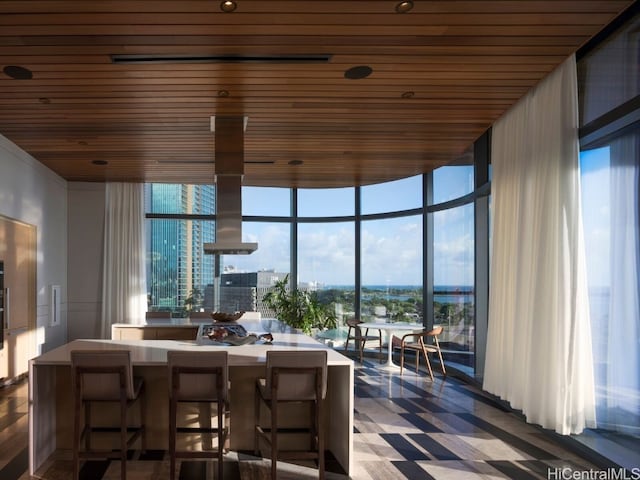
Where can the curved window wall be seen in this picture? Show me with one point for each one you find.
(360, 250)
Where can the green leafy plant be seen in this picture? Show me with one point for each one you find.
(299, 309)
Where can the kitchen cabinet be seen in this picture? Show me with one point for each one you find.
(18, 298)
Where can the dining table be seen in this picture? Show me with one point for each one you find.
(389, 328)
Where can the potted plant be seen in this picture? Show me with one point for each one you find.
(299, 309)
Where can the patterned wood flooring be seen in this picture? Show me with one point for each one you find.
(405, 427)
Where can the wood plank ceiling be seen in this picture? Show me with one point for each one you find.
(441, 74)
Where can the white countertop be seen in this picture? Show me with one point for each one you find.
(154, 352)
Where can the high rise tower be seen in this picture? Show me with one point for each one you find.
(174, 246)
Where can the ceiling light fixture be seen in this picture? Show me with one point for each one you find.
(228, 6)
(358, 73)
(223, 93)
(407, 94)
(404, 7)
(296, 162)
(17, 73)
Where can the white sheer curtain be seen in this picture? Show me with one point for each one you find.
(124, 291)
(539, 355)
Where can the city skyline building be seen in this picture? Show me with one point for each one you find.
(174, 247)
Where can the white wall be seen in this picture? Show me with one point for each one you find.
(85, 228)
(33, 194)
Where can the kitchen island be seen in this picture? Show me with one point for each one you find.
(51, 403)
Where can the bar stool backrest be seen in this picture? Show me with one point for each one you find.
(295, 380)
(103, 374)
(197, 376)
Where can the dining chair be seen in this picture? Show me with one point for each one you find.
(202, 378)
(425, 342)
(292, 377)
(360, 339)
(105, 376)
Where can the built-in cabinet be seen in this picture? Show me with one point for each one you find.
(17, 256)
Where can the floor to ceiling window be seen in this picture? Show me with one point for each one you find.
(392, 249)
(326, 247)
(453, 291)
(609, 84)
(452, 212)
(610, 190)
(271, 262)
(360, 250)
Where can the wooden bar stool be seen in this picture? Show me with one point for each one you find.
(105, 376)
(299, 376)
(198, 377)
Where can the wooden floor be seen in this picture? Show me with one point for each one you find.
(405, 427)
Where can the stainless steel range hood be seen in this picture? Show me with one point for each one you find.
(229, 170)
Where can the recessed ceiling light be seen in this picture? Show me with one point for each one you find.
(228, 6)
(18, 73)
(100, 162)
(223, 93)
(407, 94)
(296, 162)
(359, 72)
(404, 7)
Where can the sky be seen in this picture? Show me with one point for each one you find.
(391, 248)
(594, 165)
